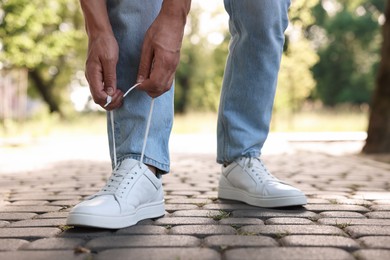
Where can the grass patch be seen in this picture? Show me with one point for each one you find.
(221, 215)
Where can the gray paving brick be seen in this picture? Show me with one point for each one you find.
(39, 255)
(40, 222)
(160, 253)
(376, 242)
(54, 244)
(288, 221)
(4, 223)
(360, 231)
(143, 241)
(379, 215)
(16, 216)
(174, 221)
(241, 221)
(230, 206)
(341, 214)
(11, 244)
(272, 213)
(331, 207)
(371, 195)
(224, 241)
(52, 215)
(30, 203)
(370, 254)
(85, 233)
(320, 241)
(202, 231)
(64, 203)
(280, 231)
(381, 207)
(354, 221)
(143, 230)
(195, 213)
(188, 201)
(29, 232)
(33, 209)
(312, 253)
(177, 207)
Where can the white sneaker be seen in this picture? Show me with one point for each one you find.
(132, 193)
(247, 180)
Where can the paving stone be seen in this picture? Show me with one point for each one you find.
(376, 242)
(272, 213)
(160, 254)
(188, 201)
(4, 223)
(33, 209)
(360, 231)
(11, 244)
(64, 203)
(196, 213)
(331, 207)
(177, 207)
(54, 244)
(174, 221)
(223, 241)
(354, 221)
(380, 208)
(39, 255)
(341, 214)
(202, 231)
(288, 221)
(238, 222)
(379, 215)
(279, 230)
(29, 203)
(86, 233)
(312, 253)
(369, 254)
(230, 207)
(143, 241)
(320, 241)
(370, 195)
(40, 223)
(185, 193)
(29, 232)
(61, 214)
(143, 230)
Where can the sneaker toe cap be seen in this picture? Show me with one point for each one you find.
(279, 189)
(101, 205)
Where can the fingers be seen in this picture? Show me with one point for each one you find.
(161, 75)
(109, 75)
(117, 100)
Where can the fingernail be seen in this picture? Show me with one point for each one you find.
(110, 91)
(140, 79)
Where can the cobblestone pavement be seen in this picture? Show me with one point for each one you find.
(348, 215)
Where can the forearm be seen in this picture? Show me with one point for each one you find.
(96, 17)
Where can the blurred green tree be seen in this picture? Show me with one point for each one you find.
(348, 37)
(48, 38)
(378, 139)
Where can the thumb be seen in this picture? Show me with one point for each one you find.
(146, 61)
(109, 78)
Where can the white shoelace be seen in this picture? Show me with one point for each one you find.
(257, 167)
(111, 114)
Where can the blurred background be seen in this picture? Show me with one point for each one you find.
(332, 88)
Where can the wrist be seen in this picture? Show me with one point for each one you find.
(176, 9)
(96, 18)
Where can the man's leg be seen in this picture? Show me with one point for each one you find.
(133, 192)
(130, 21)
(257, 30)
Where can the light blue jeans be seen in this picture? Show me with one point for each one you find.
(257, 29)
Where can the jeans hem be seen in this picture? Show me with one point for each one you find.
(254, 154)
(162, 168)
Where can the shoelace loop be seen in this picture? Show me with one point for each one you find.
(256, 166)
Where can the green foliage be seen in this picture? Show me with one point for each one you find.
(47, 37)
(348, 52)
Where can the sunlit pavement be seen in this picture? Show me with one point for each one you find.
(348, 215)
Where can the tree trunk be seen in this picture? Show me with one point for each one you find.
(378, 134)
(44, 90)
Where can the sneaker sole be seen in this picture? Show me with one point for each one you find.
(146, 211)
(239, 195)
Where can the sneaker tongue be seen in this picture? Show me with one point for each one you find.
(128, 163)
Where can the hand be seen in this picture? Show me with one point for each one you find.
(101, 70)
(160, 54)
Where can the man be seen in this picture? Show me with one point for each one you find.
(139, 41)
